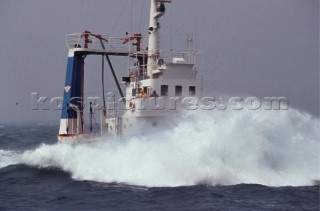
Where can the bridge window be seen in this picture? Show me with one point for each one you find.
(178, 91)
(192, 90)
(164, 90)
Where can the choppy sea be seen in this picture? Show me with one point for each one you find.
(249, 160)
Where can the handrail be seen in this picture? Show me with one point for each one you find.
(102, 42)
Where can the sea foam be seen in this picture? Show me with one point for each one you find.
(275, 148)
(7, 158)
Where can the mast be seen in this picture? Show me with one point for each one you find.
(157, 9)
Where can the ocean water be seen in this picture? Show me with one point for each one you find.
(228, 160)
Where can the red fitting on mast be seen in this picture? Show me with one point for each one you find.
(137, 37)
(86, 38)
(86, 35)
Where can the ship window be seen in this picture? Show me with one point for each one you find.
(146, 90)
(192, 90)
(178, 91)
(164, 90)
(134, 92)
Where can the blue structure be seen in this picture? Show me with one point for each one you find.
(73, 95)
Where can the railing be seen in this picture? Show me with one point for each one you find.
(129, 44)
(169, 56)
(104, 42)
(134, 46)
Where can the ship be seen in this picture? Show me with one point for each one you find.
(158, 85)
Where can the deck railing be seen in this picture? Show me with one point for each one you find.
(104, 42)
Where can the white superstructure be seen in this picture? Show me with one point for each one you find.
(156, 87)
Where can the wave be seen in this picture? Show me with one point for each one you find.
(275, 148)
(7, 158)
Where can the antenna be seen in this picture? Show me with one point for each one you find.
(190, 46)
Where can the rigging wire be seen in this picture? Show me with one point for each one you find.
(102, 82)
(131, 18)
(120, 14)
(170, 25)
(141, 15)
(95, 121)
(112, 71)
(92, 116)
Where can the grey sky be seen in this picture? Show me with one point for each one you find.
(253, 47)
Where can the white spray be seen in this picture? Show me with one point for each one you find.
(273, 148)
